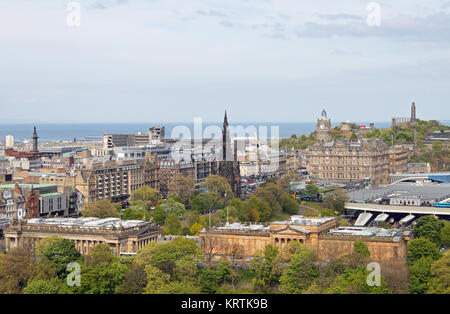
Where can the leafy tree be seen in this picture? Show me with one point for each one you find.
(44, 243)
(224, 271)
(172, 224)
(219, 189)
(440, 275)
(101, 253)
(301, 272)
(103, 278)
(159, 216)
(195, 229)
(44, 269)
(101, 209)
(208, 281)
(336, 200)
(354, 281)
(290, 205)
(265, 268)
(52, 286)
(202, 203)
(135, 213)
(421, 247)
(445, 235)
(16, 268)
(135, 281)
(183, 187)
(420, 275)
(429, 227)
(171, 206)
(146, 196)
(312, 191)
(271, 194)
(360, 248)
(164, 255)
(62, 253)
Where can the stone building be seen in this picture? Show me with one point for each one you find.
(321, 235)
(122, 236)
(114, 180)
(33, 201)
(342, 160)
(398, 160)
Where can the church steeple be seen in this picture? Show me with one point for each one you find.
(225, 138)
(225, 119)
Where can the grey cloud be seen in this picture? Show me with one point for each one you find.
(435, 28)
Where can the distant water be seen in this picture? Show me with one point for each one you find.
(70, 131)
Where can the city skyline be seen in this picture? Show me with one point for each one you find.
(166, 61)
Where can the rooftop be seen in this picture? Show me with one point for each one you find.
(366, 232)
(87, 222)
(305, 221)
(430, 191)
(27, 185)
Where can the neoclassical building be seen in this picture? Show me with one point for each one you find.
(122, 236)
(320, 235)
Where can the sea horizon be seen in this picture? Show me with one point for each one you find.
(51, 132)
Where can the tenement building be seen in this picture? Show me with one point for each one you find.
(321, 235)
(122, 236)
(343, 160)
(114, 180)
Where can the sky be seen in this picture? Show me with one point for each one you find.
(261, 60)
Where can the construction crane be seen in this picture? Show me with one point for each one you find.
(109, 137)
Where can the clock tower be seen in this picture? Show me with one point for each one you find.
(323, 128)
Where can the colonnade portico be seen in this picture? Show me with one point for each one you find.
(120, 240)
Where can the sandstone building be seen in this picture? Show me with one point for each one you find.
(342, 160)
(321, 235)
(122, 236)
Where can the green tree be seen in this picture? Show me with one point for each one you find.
(360, 248)
(171, 206)
(219, 189)
(145, 196)
(159, 216)
(224, 271)
(62, 253)
(290, 205)
(101, 253)
(135, 213)
(420, 275)
(354, 281)
(172, 224)
(445, 235)
(16, 268)
(429, 227)
(134, 282)
(103, 278)
(421, 247)
(311, 191)
(156, 279)
(440, 275)
(265, 267)
(44, 243)
(208, 282)
(101, 209)
(164, 255)
(301, 272)
(195, 229)
(52, 286)
(202, 203)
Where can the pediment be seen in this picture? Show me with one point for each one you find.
(290, 230)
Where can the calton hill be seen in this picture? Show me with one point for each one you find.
(180, 266)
